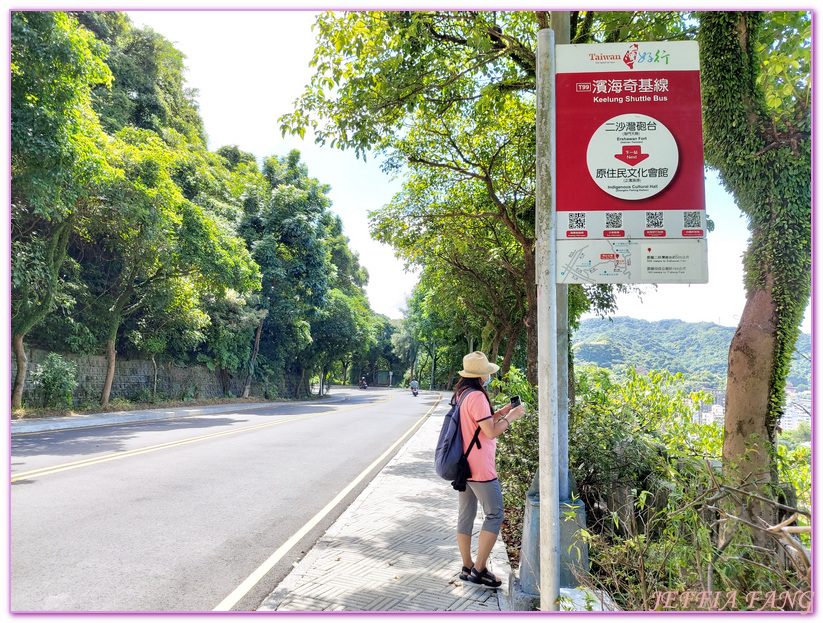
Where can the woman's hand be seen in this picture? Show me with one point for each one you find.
(515, 414)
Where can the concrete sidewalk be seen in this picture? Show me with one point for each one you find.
(395, 547)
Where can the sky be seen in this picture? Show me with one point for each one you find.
(249, 66)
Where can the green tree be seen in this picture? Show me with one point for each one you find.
(172, 321)
(148, 90)
(345, 325)
(449, 94)
(229, 336)
(340, 327)
(755, 81)
(148, 236)
(406, 347)
(285, 229)
(57, 160)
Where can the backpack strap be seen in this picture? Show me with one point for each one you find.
(475, 442)
(476, 439)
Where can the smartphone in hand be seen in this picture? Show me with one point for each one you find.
(515, 401)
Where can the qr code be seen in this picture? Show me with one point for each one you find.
(577, 220)
(691, 220)
(614, 220)
(654, 220)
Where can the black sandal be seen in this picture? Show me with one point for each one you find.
(465, 574)
(484, 578)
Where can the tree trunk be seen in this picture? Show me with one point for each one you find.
(225, 381)
(22, 367)
(511, 346)
(111, 356)
(495, 349)
(300, 383)
(748, 438)
(154, 380)
(253, 359)
(33, 311)
(115, 320)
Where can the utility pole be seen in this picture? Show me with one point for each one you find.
(561, 25)
(552, 319)
(546, 273)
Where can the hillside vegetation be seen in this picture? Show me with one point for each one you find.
(697, 349)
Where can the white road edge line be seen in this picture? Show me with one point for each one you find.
(237, 594)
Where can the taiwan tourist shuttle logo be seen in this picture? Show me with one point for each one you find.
(631, 56)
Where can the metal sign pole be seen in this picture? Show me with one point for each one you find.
(546, 269)
(560, 22)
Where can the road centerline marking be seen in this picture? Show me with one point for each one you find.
(45, 471)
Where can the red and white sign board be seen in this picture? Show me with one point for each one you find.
(629, 187)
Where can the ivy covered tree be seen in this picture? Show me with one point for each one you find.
(755, 80)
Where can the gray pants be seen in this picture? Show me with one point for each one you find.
(491, 499)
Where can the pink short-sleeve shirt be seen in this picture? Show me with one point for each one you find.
(475, 408)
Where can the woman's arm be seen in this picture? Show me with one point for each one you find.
(500, 421)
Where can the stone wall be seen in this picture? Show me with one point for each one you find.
(130, 377)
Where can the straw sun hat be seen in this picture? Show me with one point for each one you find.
(476, 364)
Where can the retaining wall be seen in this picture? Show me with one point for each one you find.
(131, 376)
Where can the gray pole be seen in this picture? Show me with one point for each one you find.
(561, 25)
(546, 277)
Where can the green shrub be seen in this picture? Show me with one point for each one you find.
(517, 449)
(54, 380)
(683, 537)
(673, 541)
(142, 395)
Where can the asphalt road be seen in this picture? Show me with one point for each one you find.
(176, 515)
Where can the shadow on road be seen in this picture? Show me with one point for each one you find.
(106, 438)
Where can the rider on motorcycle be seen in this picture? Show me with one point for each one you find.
(414, 386)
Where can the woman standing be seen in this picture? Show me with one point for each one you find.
(476, 411)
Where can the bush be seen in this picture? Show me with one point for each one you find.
(663, 529)
(673, 540)
(517, 455)
(54, 380)
(620, 431)
(692, 555)
(517, 449)
(143, 395)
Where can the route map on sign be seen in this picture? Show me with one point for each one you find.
(601, 261)
(631, 261)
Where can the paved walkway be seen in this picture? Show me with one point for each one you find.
(394, 548)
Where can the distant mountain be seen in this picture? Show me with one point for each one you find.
(700, 350)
